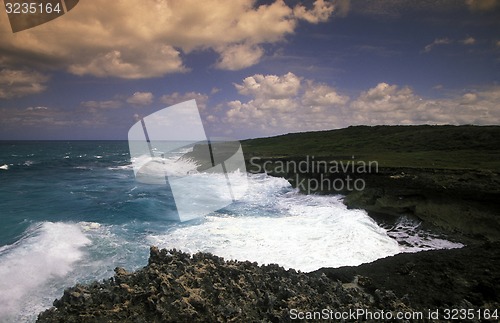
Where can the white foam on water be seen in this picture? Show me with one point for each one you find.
(274, 224)
(304, 243)
(89, 226)
(53, 256)
(121, 167)
(200, 194)
(112, 246)
(413, 238)
(29, 163)
(172, 165)
(47, 251)
(83, 167)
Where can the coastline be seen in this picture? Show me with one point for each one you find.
(202, 287)
(175, 286)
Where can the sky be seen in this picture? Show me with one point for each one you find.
(255, 68)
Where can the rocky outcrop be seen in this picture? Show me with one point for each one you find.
(463, 278)
(463, 201)
(178, 287)
(175, 287)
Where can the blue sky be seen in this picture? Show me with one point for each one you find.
(256, 68)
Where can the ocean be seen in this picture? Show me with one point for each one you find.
(72, 211)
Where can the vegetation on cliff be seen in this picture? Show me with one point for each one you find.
(455, 147)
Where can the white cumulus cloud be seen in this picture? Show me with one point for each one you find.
(131, 63)
(19, 83)
(322, 95)
(469, 41)
(289, 103)
(239, 56)
(284, 103)
(437, 42)
(147, 39)
(176, 97)
(105, 105)
(321, 11)
(141, 98)
(270, 86)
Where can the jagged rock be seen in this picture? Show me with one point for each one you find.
(178, 287)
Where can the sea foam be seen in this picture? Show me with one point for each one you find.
(273, 223)
(47, 250)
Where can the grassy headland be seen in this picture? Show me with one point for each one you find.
(452, 147)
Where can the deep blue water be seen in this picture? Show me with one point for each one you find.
(71, 181)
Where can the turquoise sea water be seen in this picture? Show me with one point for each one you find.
(72, 211)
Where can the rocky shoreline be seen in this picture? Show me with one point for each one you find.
(438, 284)
(178, 287)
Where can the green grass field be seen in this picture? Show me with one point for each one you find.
(454, 147)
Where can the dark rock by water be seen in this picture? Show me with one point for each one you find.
(178, 287)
